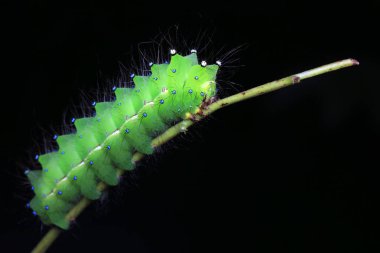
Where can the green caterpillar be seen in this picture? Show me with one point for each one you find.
(106, 142)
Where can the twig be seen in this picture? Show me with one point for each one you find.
(172, 132)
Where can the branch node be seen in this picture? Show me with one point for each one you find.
(296, 79)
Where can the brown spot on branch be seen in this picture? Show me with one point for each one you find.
(296, 79)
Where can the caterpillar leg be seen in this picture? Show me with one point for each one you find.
(206, 102)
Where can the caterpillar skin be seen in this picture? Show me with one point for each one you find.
(106, 142)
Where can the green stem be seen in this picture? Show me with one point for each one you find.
(172, 132)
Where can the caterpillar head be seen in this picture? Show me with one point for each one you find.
(209, 89)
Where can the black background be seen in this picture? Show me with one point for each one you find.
(290, 171)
